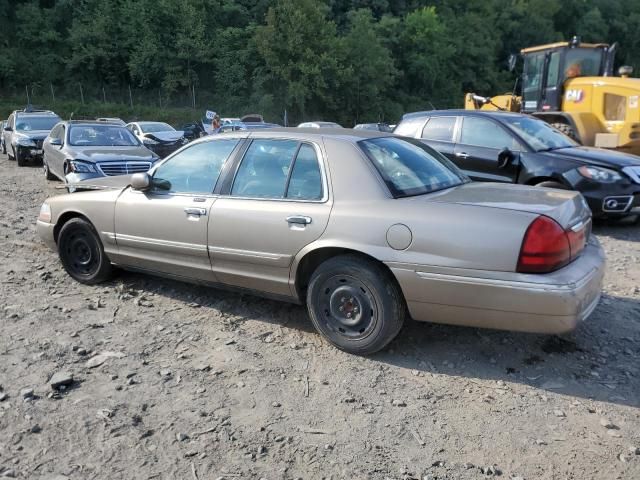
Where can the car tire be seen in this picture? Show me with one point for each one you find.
(4, 148)
(20, 159)
(355, 304)
(11, 157)
(552, 184)
(567, 129)
(47, 172)
(82, 254)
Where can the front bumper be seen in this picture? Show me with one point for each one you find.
(545, 303)
(32, 154)
(607, 200)
(45, 231)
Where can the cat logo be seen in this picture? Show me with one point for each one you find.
(574, 95)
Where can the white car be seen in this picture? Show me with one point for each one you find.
(159, 137)
(319, 124)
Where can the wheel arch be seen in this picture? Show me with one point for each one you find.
(303, 268)
(64, 218)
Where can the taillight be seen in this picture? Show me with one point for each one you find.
(545, 248)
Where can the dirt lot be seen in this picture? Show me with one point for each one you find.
(172, 381)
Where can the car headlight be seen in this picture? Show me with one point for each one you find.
(598, 174)
(25, 142)
(45, 213)
(81, 167)
(149, 141)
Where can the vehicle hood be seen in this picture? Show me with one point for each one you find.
(107, 154)
(34, 134)
(595, 156)
(565, 206)
(168, 136)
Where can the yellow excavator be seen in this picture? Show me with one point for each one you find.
(571, 86)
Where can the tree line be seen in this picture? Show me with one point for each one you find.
(345, 60)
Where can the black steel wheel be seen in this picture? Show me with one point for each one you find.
(355, 304)
(81, 252)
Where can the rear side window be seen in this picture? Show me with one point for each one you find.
(482, 132)
(279, 169)
(409, 127)
(439, 129)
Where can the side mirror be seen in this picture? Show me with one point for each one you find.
(56, 142)
(140, 181)
(505, 157)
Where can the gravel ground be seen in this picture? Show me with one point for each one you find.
(160, 379)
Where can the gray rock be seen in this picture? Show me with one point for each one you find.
(165, 372)
(276, 404)
(3, 396)
(181, 437)
(606, 423)
(26, 393)
(634, 450)
(399, 403)
(10, 473)
(559, 413)
(61, 379)
(614, 433)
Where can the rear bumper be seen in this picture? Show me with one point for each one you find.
(45, 231)
(549, 303)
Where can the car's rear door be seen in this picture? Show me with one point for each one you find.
(439, 133)
(276, 202)
(164, 229)
(481, 140)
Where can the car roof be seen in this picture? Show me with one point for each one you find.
(92, 123)
(461, 111)
(35, 113)
(348, 134)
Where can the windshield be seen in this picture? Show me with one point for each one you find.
(583, 62)
(409, 167)
(538, 134)
(152, 127)
(101, 136)
(26, 124)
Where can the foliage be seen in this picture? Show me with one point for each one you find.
(345, 60)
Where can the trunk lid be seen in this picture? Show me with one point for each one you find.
(566, 207)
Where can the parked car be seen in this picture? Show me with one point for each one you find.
(234, 127)
(78, 150)
(193, 130)
(3, 125)
(25, 132)
(319, 124)
(379, 127)
(159, 137)
(262, 214)
(517, 148)
(114, 120)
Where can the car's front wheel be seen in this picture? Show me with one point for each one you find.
(356, 304)
(20, 159)
(82, 254)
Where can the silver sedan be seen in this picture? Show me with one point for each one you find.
(365, 228)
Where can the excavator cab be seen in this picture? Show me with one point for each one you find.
(548, 67)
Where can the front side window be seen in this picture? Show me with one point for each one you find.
(439, 129)
(482, 132)
(195, 169)
(554, 70)
(264, 170)
(409, 167)
(532, 76)
(582, 62)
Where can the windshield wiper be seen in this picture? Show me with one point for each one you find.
(550, 149)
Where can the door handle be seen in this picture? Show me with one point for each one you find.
(461, 155)
(195, 211)
(299, 219)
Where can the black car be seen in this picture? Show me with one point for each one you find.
(193, 130)
(516, 148)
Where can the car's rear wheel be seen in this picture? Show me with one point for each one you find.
(82, 254)
(552, 184)
(356, 304)
(47, 172)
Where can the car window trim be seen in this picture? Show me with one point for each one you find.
(226, 192)
(453, 134)
(495, 122)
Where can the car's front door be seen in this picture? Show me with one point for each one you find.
(164, 229)
(478, 149)
(277, 204)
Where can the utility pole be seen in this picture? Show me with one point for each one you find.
(104, 95)
(193, 89)
(130, 97)
(53, 96)
(81, 94)
(26, 88)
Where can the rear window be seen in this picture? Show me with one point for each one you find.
(409, 167)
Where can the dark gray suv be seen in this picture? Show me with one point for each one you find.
(25, 132)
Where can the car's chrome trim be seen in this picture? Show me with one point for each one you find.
(246, 253)
(112, 169)
(617, 203)
(132, 239)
